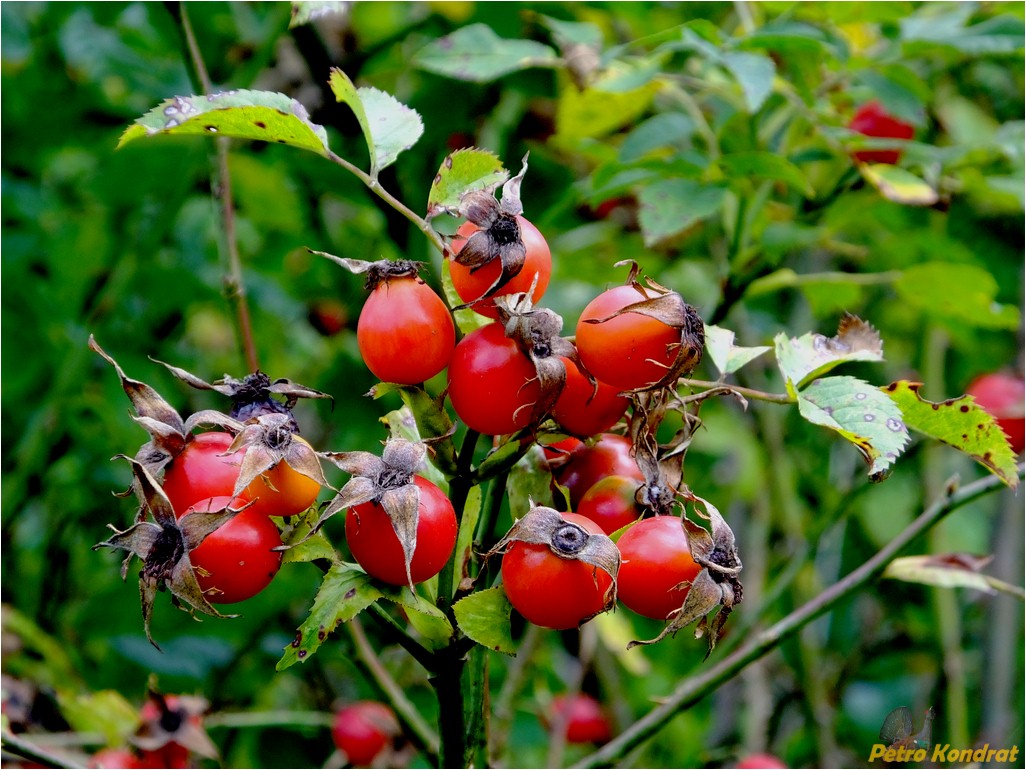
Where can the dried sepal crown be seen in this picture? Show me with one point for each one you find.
(388, 481)
(174, 719)
(717, 584)
(567, 540)
(668, 307)
(169, 433)
(377, 272)
(269, 439)
(499, 236)
(164, 545)
(536, 331)
(253, 395)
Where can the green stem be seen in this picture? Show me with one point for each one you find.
(416, 728)
(694, 689)
(234, 287)
(755, 395)
(486, 524)
(375, 186)
(478, 709)
(397, 634)
(448, 685)
(516, 673)
(14, 744)
(459, 488)
(263, 719)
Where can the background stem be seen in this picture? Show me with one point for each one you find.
(694, 688)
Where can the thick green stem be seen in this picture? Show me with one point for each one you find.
(397, 634)
(694, 689)
(448, 685)
(459, 488)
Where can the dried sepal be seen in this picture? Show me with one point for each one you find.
(387, 480)
(668, 307)
(499, 236)
(252, 395)
(567, 540)
(717, 585)
(536, 332)
(175, 719)
(269, 439)
(377, 272)
(164, 545)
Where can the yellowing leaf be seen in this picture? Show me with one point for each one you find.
(898, 185)
(802, 359)
(958, 422)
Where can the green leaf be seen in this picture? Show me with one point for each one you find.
(467, 319)
(106, 712)
(898, 185)
(568, 33)
(755, 73)
(477, 54)
(317, 547)
(725, 355)
(596, 112)
(958, 422)
(528, 482)
(402, 423)
(955, 293)
(897, 99)
(345, 592)
(997, 35)
(462, 171)
(862, 414)
(429, 621)
(263, 116)
(468, 526)
(484, 617)
(766, 165)
(671, 206)
(389, 126)
(802, 359)
(305, 11)
(949, 571)
(432, 423)
(667, 132)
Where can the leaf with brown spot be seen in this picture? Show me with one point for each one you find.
(959, 422)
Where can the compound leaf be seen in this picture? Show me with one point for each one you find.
(462, 171)
(958, 422)
(802, 359)
(477, 54)
(725, 355)
(862, 414)
(344, 593)
(484, 617)
(264, 116)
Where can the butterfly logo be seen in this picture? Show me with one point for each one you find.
(897, 730)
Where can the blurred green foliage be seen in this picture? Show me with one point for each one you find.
(737, 111)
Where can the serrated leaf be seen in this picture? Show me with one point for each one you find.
(475, 53)
(755, 73)
(898, 185)
(958, 422)
(957, 293)
(463, 171)
(305, 11)
(345, 592)
(484, 617)
(306, 550)
(671, 206)
(948, 571)
(766, 165)
(725, 355)
(862, 414)
(429, 621)
(106, 712)
(389, 126)
(468, 526)
(802, 359)
(264, 116)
